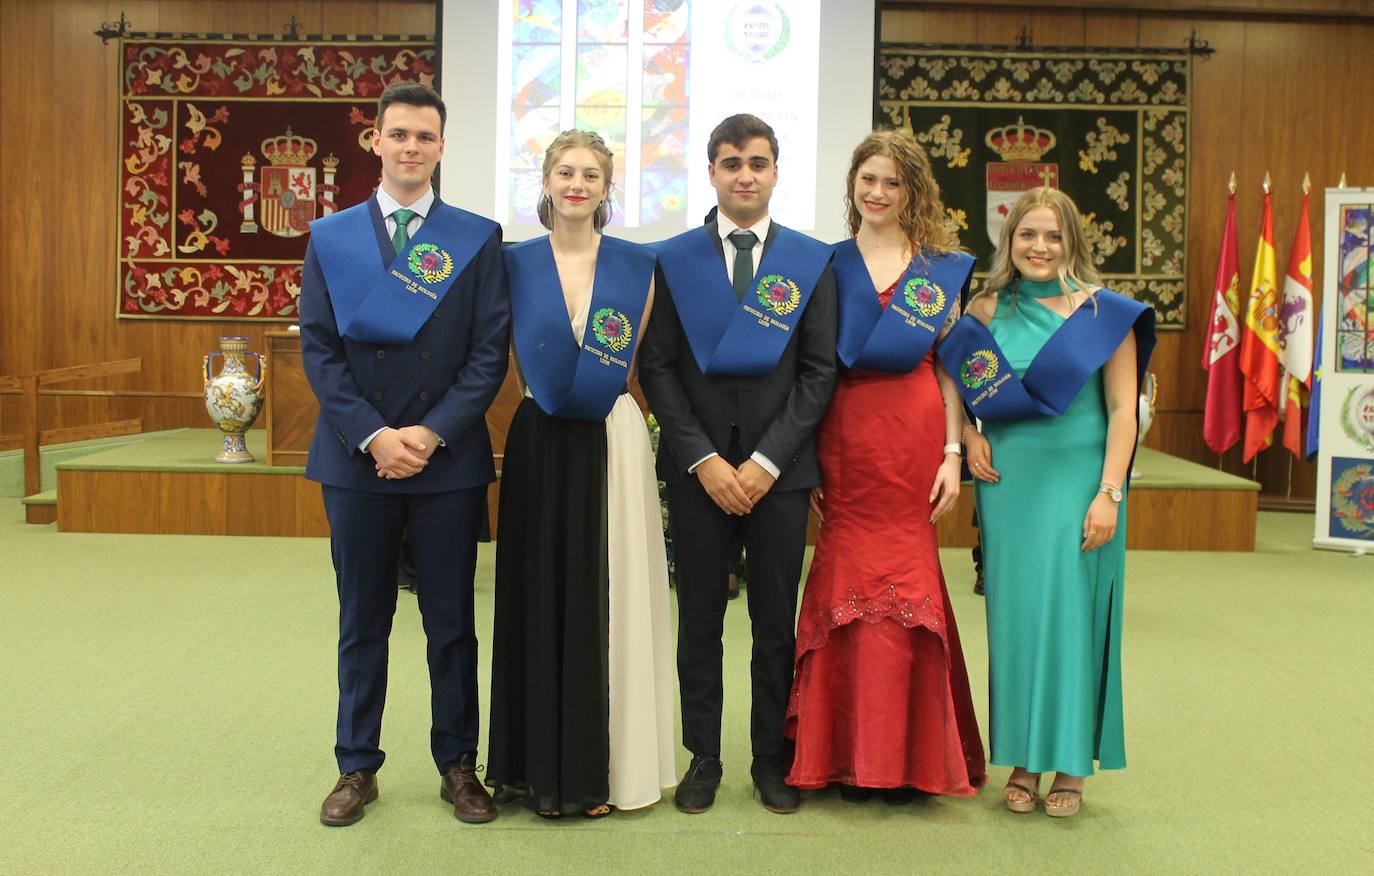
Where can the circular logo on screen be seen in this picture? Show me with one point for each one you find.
(923, 296)
(757, 30)
(612, 329)
(978, 369)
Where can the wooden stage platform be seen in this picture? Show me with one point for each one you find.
(170, 483)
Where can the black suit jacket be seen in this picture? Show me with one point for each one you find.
(775, 414)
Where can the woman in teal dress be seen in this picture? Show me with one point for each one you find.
(1049, 495)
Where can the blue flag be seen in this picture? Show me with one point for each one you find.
(1314, 411)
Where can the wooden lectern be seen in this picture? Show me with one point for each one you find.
(291, 405)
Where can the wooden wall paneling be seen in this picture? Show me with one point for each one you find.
(1057, 27)
(1177, 358)
(25, 33)
(999, 25)
(1111, 27)
(909, 25)
(405, 16)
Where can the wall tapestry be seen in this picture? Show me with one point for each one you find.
(227, 150)
(1111, 130)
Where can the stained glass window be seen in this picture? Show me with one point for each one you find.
(616, 67)
(1355, 327)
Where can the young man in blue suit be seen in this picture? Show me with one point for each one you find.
(404, 332)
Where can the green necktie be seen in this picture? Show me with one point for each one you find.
(400, 238)
(743, 277)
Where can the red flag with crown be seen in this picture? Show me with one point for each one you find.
(1221, 356)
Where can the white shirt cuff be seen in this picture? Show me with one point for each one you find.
(767, 464)
(368, 440)
(692, 469)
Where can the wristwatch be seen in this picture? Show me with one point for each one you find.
(1112, 490)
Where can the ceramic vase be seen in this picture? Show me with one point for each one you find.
(234, 397)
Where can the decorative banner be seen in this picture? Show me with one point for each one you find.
(1109, 130)
(1343, 400)
(227, 150)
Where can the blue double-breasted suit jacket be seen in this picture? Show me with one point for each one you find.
(445, 378)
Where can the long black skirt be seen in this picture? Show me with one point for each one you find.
(549, 679)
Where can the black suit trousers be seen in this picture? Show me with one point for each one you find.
(774, 539)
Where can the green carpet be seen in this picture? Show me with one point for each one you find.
(188, 450)
(169, 705)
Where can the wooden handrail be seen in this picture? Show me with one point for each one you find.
(31, 437)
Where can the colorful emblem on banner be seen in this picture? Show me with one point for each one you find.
(612, 329)
(429, 262)
(978, 369)
(779, 294)
(925, 297)
(1357, 416)
(757, 30)
(1352, 498)
(1021, 147)
(288, 194)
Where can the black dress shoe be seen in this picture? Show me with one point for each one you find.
(855, 793)
(776, 794)
(979, 584)
(697, 790)
(899, 796)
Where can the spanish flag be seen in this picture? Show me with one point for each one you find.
(1295, 333)
(1259, 344)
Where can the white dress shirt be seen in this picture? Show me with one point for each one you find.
(389, 206)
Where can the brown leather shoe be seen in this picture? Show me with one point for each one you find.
(471, 802)
(345, 803)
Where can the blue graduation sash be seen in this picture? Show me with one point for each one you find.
(740, 337)
(1056, 375)
(895, 338)
(578, 383)
(389, 305)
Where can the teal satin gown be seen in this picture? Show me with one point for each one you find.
(1054, 612)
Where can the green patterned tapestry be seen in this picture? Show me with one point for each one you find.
(1109, 130)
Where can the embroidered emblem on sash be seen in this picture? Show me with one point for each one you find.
(429, 262)
(927, 298)
(978, 369)
(612, 329)
(779, 294)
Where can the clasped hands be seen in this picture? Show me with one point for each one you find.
(735, 490)
(402, 453)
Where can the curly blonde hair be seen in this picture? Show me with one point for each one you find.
(923, 214)
(573, 139)
(1076, 269)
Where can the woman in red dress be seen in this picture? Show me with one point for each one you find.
(880, 698)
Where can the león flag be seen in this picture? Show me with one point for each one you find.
(1221, 357)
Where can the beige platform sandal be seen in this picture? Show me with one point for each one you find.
(1064, 810)
(1032, 791)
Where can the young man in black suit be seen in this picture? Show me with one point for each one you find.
(738, 365)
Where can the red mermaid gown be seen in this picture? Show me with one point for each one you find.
(880, 697)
